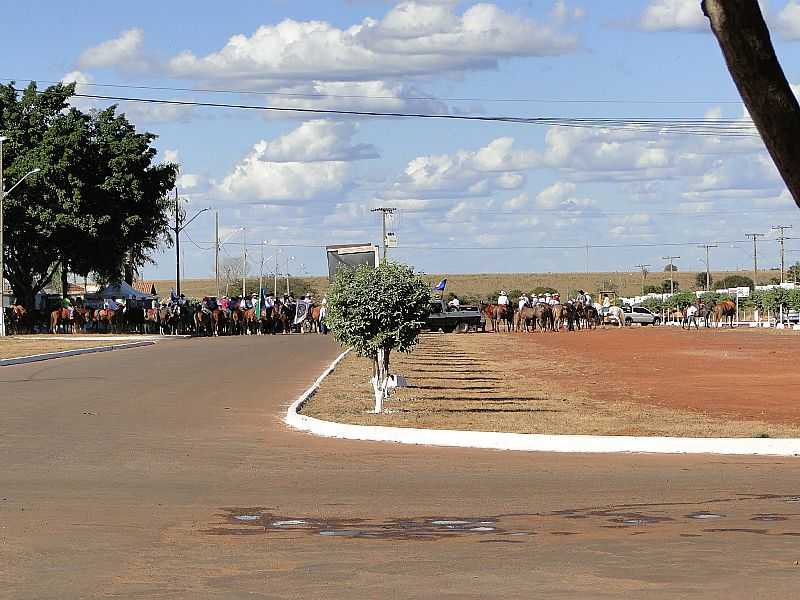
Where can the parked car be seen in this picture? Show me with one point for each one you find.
(641, 315)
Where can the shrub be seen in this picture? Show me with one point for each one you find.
(732, 281)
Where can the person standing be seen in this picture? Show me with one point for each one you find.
(691, 316)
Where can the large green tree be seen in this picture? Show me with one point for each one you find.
(99, 204)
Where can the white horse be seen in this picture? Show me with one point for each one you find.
(617, 313)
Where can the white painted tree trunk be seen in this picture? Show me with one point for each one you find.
(380, 380)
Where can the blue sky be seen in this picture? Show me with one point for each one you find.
(470, 194)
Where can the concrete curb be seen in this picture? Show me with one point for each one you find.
(22, 360)
(528, 442)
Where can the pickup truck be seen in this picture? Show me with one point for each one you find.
(448, 319)
(641, 315)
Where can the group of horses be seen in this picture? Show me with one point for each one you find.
(541, 317)
(576, 316)
(168, 319)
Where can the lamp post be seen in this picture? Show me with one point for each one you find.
(180, 225)
(3, 193)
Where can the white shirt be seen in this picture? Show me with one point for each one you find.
(523, 302)
(588, 299)
(691, 311)
(503, 300)
(606, 303)
(454, 302)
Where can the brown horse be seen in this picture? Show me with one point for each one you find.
(314, 319)
(724, 311)
(202, 322)
(60, 318)
(250, 321)
(501, 313)
(107, 317)
(523, 317)
(17, 319)
(236, 321)
(217, 321)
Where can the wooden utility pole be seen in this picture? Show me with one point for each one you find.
(744, 39)
(644, 274)
(385, 211)
(216, 249)
(754, 237)
(708, 265)
(671, 271)
(782, 240)
(244, 261)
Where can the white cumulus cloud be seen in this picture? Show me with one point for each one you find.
(115, 52)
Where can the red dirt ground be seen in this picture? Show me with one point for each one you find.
(744, 373)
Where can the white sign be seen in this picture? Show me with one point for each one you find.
(391, 239)
(742, 292)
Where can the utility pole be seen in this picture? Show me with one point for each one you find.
(275, 290)
(177, 230)
(754, 237)
(244, 262)
(644, 274)
(671, 272)
(782, 239)
(587, 258)
(216, 249)
(385, 211)
(708, 266)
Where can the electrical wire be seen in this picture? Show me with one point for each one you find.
(717, 128)
(379, 97)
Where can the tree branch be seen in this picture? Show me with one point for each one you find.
(744, 38)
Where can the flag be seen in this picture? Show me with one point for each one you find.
(173, 296)
(258, 304)
(441, 285)
(262, 301)
(301, 313)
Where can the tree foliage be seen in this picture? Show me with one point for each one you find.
(99, 202)
(377, 308)
(700, 280)
(733, 281)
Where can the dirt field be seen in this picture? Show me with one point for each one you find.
(638, 381)
(478, 285)
(13, 347)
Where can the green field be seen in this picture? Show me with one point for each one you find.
(478, 286)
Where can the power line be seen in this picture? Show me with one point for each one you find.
(380, 97)
(693, 127)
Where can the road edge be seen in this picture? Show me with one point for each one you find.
(23, 360)
(530, 442)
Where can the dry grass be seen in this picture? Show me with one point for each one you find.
(466, 382)
(479, 285)
(13, 347)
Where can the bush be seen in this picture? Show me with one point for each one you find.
(652, 289)
(700, 280)
(681, 300)
(542, 290)
(656, 305)
(732, 281)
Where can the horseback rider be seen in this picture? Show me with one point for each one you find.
(523, 301)
(606, 304)
(205, 306)
(556, 299)
(502, 299)
(65, 303)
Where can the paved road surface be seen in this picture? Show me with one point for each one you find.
(165, 472)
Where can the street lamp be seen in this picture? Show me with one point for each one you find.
(3, 193)
(180, 225)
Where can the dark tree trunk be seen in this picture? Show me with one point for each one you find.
(130, 271)
(64, 280)
(745, 41)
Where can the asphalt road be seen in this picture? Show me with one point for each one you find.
(166, 472)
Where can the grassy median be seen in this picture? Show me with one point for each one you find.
(477, 382)
(14, 347)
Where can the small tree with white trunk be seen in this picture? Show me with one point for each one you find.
(375, 311)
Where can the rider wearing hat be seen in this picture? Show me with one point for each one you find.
(503, 299)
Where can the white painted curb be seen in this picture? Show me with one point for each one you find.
(22, 360)
(530, 442)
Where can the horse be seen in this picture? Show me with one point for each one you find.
(617, 313)
(202, 322)
(544, 316)
(706, 314)
(249, 322)
(571, 316)
(108, 317)
(218, 321)
(724, 311)
(17, 318)
(591, 317)
(502, 313)
(559, 315)
(284, 315)
(524, 316)
(236, 321)
(315, 320)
